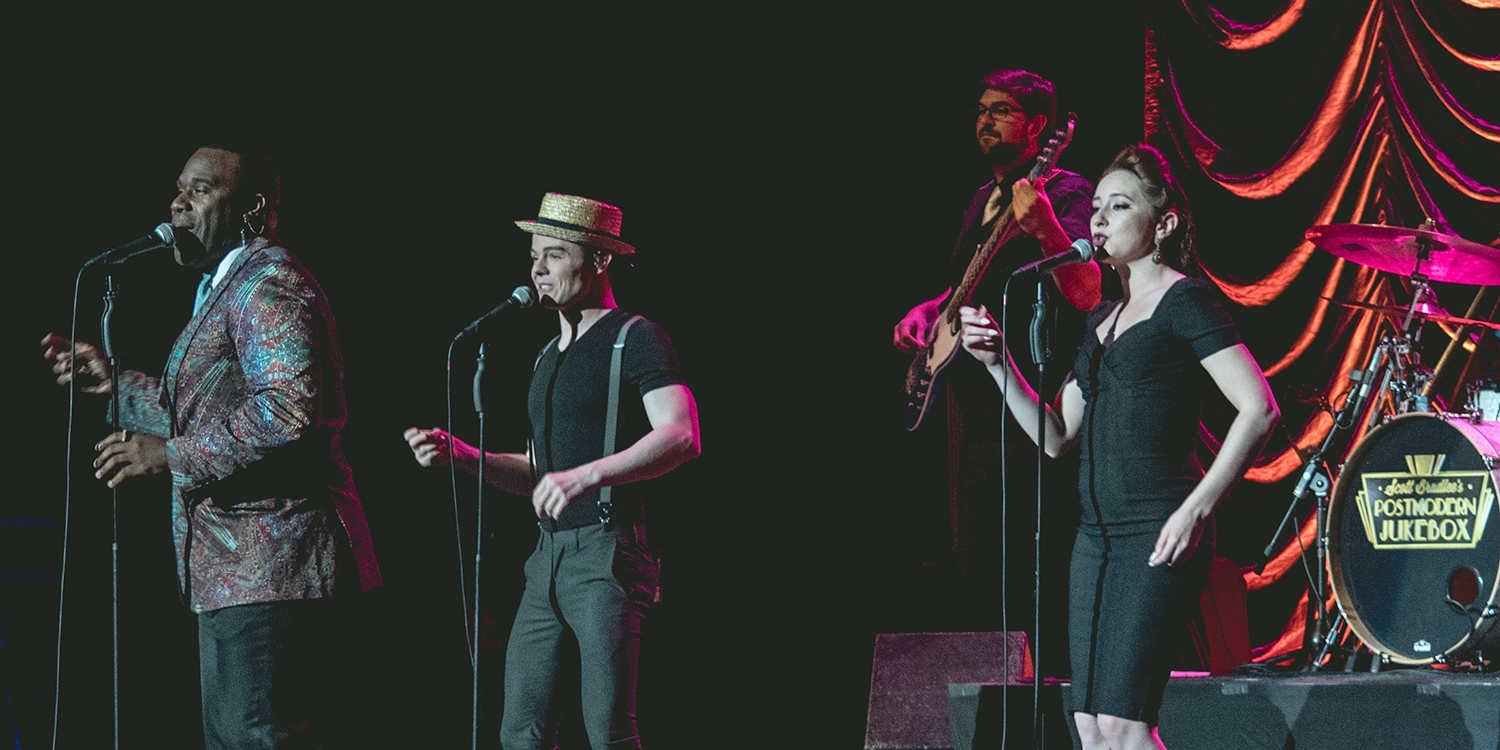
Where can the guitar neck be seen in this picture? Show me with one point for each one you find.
(1001, 232)
(979, 264)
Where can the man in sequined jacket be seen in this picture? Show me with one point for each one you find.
(269, 531)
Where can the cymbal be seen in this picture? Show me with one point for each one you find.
(1425, 311)
(1451, 259)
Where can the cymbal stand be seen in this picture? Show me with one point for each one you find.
(1347, 416)
(1412, 377)
(1315, 478)
(1319, 634)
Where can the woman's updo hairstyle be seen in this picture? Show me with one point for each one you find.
(1164, 194)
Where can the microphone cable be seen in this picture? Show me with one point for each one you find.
(62, 576)
(469, 638)
(1005, 513)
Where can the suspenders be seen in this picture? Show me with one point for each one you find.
(612, 418)
(611, 415)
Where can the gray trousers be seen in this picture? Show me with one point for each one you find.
(587, 589)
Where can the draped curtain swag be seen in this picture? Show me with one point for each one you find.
(1283, 115)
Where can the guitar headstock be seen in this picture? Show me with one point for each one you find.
(1046, 161)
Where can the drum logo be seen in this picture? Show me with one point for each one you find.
(1425, 507)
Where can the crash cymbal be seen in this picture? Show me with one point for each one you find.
(1395, 249)
(1425, 311)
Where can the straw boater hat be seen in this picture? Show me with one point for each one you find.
(575, 219)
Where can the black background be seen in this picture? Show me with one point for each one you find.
(792, 179)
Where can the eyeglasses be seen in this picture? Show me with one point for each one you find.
(997, 111)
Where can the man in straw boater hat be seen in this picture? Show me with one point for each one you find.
(592, 572)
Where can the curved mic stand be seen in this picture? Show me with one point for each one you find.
(478, 545)
(106, 325)
(1041, 352)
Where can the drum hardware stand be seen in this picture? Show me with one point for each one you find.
(1354, 651)
(1315, 466)
(1315, 478)
(1328, 639)
(1320, 635)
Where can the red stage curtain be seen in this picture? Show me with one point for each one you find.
(1283, 115)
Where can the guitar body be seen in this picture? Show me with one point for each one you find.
(943, 345)
(944, 338)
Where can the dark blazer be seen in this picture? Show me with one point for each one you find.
(252, 405)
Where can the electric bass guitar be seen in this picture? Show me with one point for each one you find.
(944, 337)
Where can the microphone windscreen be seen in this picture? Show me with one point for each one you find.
(522, 296)
(1085, 249)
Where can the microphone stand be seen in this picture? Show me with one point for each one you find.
(106, 321)
(478, 546)
(1041, 351)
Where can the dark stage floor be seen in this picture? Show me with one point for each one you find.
(1412, 709)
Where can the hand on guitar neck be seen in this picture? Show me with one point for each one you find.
(931, 330)
(1080, 282)
(1034, 214)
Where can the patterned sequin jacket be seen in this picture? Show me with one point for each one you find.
(252, 404)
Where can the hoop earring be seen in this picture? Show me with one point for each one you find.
(264, 225)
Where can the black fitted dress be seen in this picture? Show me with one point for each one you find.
(1138, 461)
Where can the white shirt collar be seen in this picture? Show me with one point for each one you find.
(225, 263)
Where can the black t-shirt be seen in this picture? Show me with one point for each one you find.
(1142, 398)
(569, 399)
(1072, 197)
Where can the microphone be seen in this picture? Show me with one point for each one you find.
(1081, 251)
(521, 298)
(162, 236)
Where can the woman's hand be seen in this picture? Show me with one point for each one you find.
(1178, 537)
(981, 336)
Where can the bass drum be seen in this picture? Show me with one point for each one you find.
(1414, 539)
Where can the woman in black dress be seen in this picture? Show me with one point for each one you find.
(1132, 405)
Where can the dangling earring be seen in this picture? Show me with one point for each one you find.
(1156, 254)
(243, 240)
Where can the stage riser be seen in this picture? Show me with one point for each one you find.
(1406, 710)
(911, 673)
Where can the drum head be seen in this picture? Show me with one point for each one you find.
(1413, 533)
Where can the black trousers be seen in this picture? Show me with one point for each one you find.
(263, 669)
(587, 591)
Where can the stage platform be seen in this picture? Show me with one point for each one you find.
(1407, 709)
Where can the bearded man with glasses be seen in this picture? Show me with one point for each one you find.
(1015, 114)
